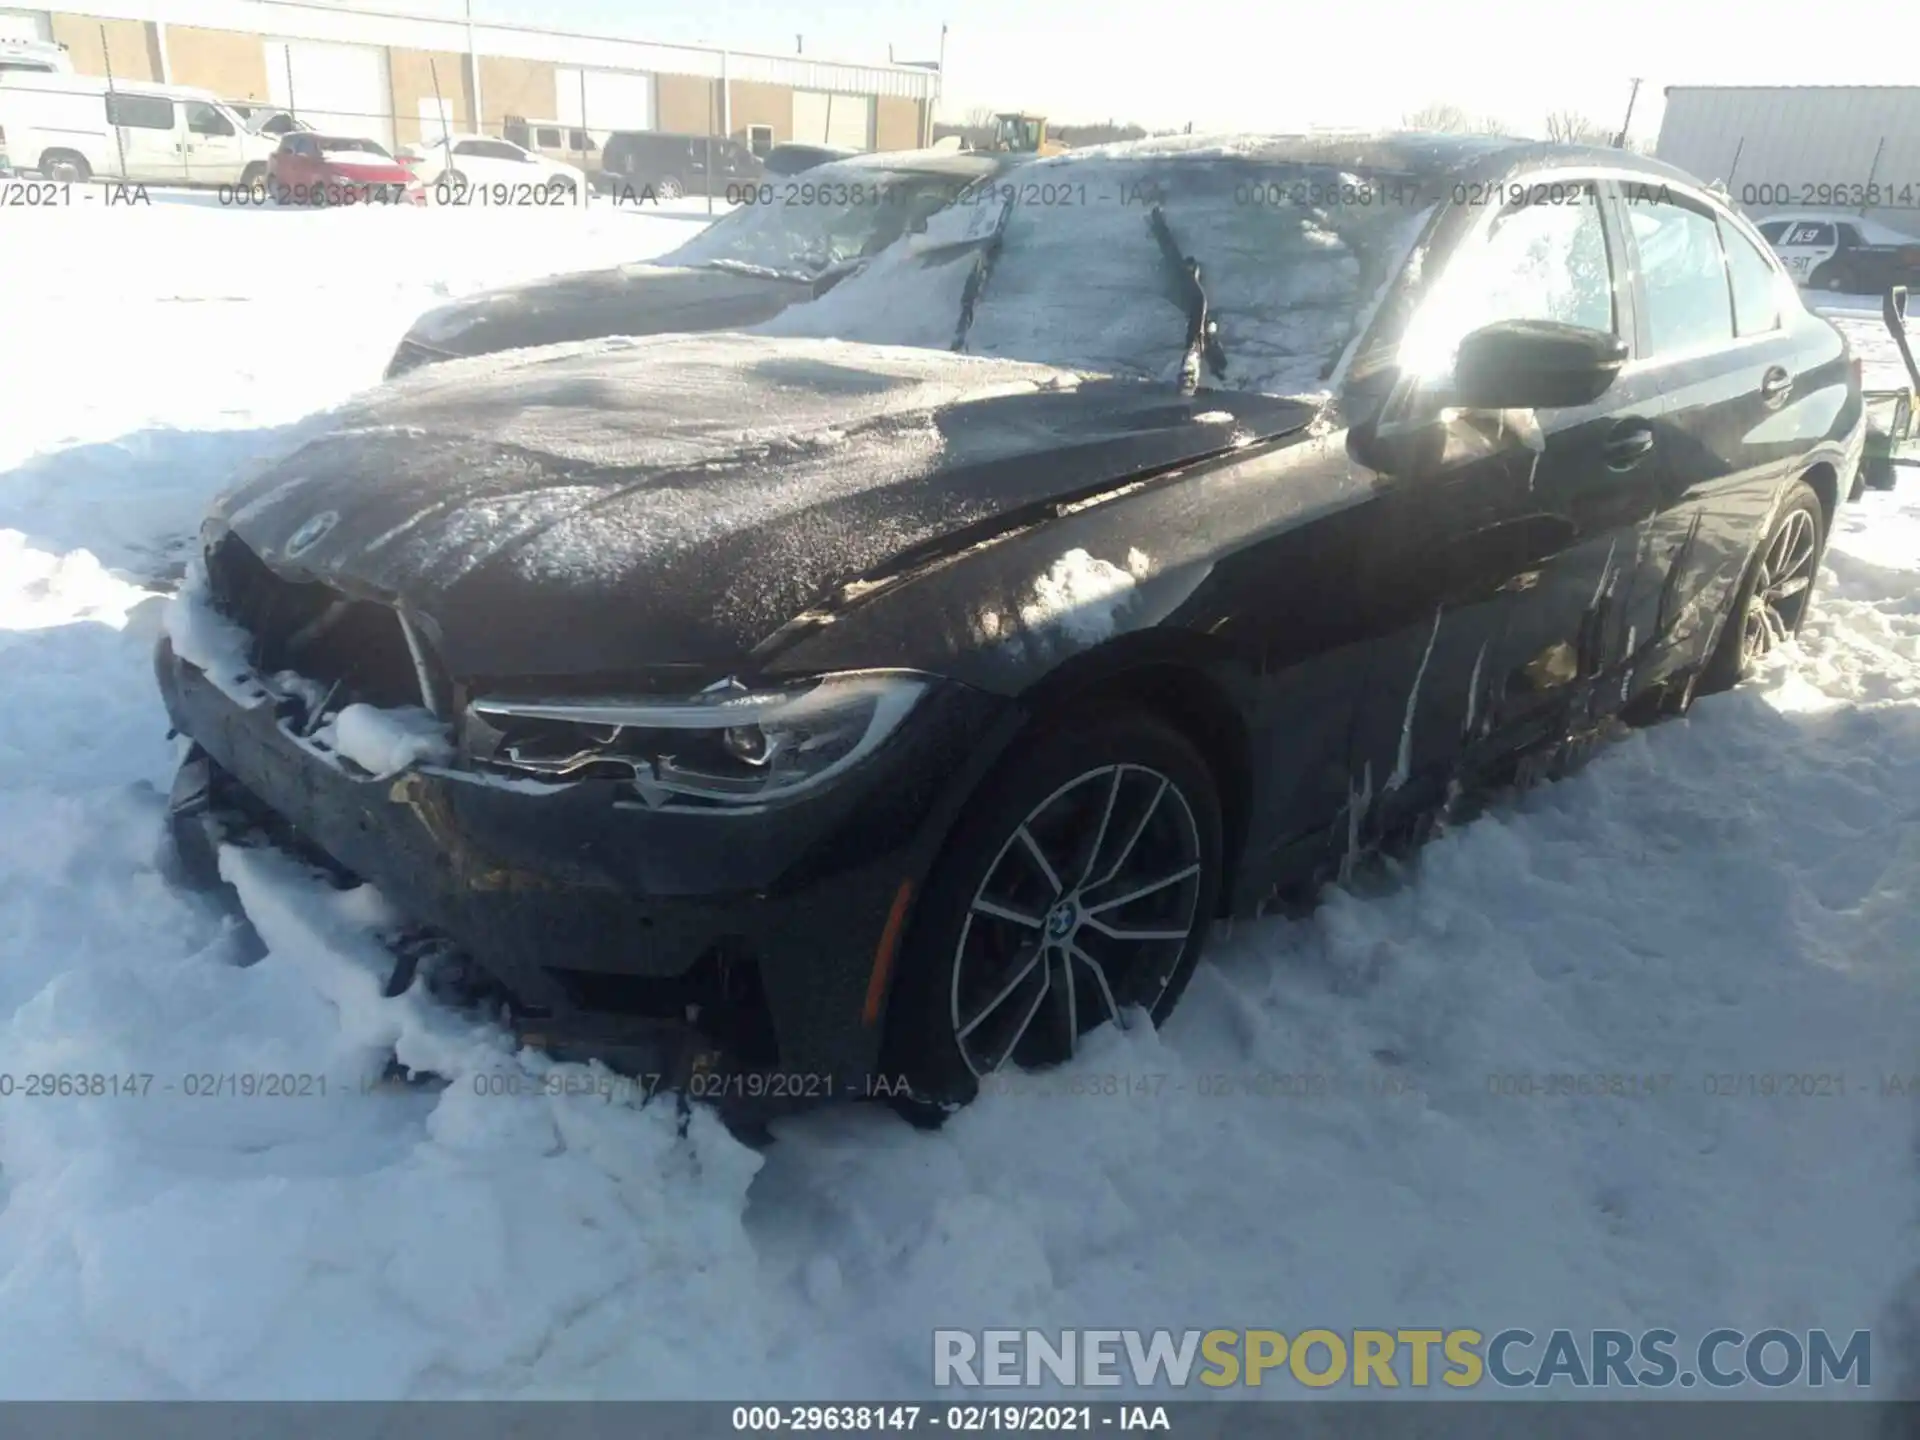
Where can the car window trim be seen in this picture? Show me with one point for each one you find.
(1726, 259)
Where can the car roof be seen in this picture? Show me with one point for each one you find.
(1404, 151)
(961, 164)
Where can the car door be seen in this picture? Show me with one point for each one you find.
(1711, 313)
(300, 165)
(1510, 548)
(150, 141)
(1804, 246)
(215, 152)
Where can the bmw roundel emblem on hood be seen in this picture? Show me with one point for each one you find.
(312, 533)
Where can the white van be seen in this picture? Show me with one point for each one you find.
(80, 127)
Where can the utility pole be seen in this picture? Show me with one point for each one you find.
(938, 104)
(1620, 141)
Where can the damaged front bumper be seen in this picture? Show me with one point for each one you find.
(730, 955)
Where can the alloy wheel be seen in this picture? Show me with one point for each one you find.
(1782, 586)
(1084, 913)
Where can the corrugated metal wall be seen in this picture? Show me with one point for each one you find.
(1802, 147)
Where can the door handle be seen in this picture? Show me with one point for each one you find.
(1775, 386)
(1627, 444)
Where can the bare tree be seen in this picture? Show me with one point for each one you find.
(1449, 119)
(980, 117)
(1444, 118)
(1570, 127)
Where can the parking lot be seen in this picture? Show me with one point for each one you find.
(1353, 1114)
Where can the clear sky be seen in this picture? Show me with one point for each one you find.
(1237, 64)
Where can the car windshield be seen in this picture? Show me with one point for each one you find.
(1063, 261)
(804, 227)
(350, 148)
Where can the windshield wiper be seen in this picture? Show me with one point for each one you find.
(1203, 335)
(976, 283)
(743, 267)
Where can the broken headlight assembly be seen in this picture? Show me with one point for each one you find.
(728, 746)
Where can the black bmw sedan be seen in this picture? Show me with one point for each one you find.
(1163, 531)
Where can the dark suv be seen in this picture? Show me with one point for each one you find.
(672, 165)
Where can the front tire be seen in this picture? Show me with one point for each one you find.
(1077, 889)
(1773, 597)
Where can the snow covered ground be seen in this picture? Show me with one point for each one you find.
(1728, 896)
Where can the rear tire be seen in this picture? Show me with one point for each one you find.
(66, 166)
(668, 187)
(1079, 885)
(1771, 602)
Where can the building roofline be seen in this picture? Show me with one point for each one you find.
(323, 20)
(1910, 89)
(521, 27)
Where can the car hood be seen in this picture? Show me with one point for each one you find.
(628, 505)
(626, 300)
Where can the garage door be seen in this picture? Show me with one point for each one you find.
(25, 25)
(338, 88)
(603, 100)
(820, 118)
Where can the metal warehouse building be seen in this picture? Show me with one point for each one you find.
(1814, 147)
(396, 77)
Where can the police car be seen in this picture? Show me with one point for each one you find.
(1833, 250)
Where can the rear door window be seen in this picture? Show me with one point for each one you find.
(1688, 295)
(139, 112)
(1808, 232)
(1756, 290)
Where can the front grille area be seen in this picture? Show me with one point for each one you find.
(353, 651)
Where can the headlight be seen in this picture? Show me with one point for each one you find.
(727, 746)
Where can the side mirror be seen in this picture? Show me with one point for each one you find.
(1534, 365)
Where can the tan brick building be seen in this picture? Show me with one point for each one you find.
(375, 69)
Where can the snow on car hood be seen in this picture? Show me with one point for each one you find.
(624, 300)
(597, 507)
